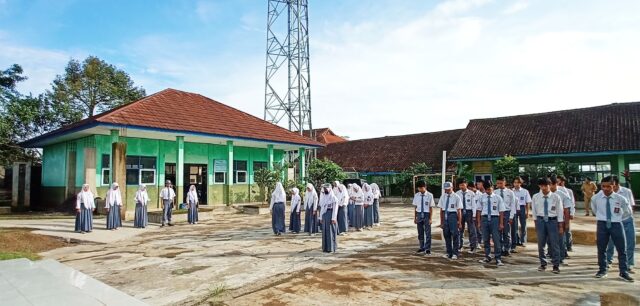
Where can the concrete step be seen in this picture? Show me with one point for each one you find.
(5, 202)
(5, 210)
(48, 282)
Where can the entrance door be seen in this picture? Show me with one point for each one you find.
(170, 174)
(196, 174)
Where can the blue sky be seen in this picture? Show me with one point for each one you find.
(378, 67)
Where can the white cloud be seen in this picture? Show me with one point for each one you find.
(516, 7)
(205, 10)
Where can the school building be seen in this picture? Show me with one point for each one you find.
(171, 135)
(601, 140)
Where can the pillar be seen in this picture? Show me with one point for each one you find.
(270, 153)
(160, 169)
(119, 172)
(90, 169)
(302, 165)
(180, 168)
(621, 167)
(229, 181)
(115, 136)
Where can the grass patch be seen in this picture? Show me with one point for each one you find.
(214, 297)
(22, 243)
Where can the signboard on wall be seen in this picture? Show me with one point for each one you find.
(220, 165)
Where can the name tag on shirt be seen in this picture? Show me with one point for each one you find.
(521, 198)
(495, 208)
(553, 208)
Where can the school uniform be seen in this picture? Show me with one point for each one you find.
(84, 211)
(113, 203)
(358, 208)
(423, 202)
(141, 218)
(167, 195)
(329, 212)
(376, 203)
(310, 207)
(368, 206)
(629, 229)
(192, 202)
(609, 212)
(476, 203)
(343, 199)
(278, 198)
(568, 237)
(450, 206)
(509, 199)
(523, 197)
(351, 208)
(548, 213)
(490, 208)
(294, 218)
(566, 206)
(468, 218)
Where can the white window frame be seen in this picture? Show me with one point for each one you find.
(148, 170)
(224, 178)
(634, 170)
(102, 177)
(246, 177)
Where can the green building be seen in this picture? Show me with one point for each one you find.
(601, 141)
(183, 137)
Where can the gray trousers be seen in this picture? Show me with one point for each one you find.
(166, 211)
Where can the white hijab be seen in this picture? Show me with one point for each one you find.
(113, 196)
(192, 196)
(85, 197)
(278, 195)
(295, 199)
(141, 195)
(310, 197)
(344, 194)
(376, 190)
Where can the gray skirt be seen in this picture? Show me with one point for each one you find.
(113, 217)
(358, 216)
(368, 216)
(329, 233)
(310, 221)
(141, 220)
(277, 218)
(84, 219)
(192, 216)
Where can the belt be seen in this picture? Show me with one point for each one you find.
(452, 212)
(550, 218)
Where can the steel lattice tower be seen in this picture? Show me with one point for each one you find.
(288, 64)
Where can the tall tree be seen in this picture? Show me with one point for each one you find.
(91, 87)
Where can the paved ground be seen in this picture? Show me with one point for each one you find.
(234, 259)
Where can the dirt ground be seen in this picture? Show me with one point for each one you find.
(20, 242)
(236, 260)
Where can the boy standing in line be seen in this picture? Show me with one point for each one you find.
(424, 203)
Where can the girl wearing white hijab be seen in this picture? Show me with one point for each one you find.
(368, 206)
(351, 206)
(192, 203)
(358, 211)
(343, 222)
(113, 204)
(84, 210)
(278, 198)
(294, 218)
(310, 210)
(329, 213)
(141, 199)
(376, 204)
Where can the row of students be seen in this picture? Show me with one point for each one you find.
(85, 206)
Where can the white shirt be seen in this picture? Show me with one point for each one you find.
(358, 197)
(455, 202)
(428, 201)
(469, 199)
(564, 197)
(509, 197)
(295, 203)
(114, 197)
(572, 200)
(142, 197)
(311, 200)
(476, 199)
(368, 197)
(496, 202)
(554, 205)
(87, 198)
(627, 194)
(329, 201)
(522, 197)
(167, 193)
(617, 202)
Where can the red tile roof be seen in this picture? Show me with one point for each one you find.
(613, 127)
(177, 110)
(392, 153)
(325, 136)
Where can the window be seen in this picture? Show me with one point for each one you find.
(219, 177)
(634, 167)
(140, 170)
(257, 165)
(240, 171)
(595, 170)
(106, 170)
(219, 171)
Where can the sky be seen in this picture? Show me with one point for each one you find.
(378, 67)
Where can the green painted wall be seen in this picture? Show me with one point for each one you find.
(54, 164)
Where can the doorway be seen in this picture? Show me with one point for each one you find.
(196, 174)
(170, 174)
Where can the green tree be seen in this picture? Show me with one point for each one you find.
(265, 179)
(508, 166)
(322, 171)
(464, 170)
(89, 87)
(405, 179)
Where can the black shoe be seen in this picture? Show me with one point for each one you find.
(542, 268)
(506, 254)
(427, 252)
(420, 251)
(514, 251)
(162, 225)
(556, 270)
(170, 224)
(626, 277)
(569, 249)
(567, 256)
(601, 274)
(486, 260)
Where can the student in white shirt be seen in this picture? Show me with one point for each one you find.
(310, 210)
(192, 205)
(340, 191)
(329, 213)
(508, 246)
(368, 206)
(358, 211)
(627, 225)
(568, 237)
(566, 205)
(479, 192)
(523, 200)
(141, 199)
(548, 212)
(113, 204)
(294, 218)
(166, 196)
(277, 208)
(376, 204)
(467, 198)
(609, 208)
(490, 213)
(450, 220)
(424, 203)
(85, 206)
